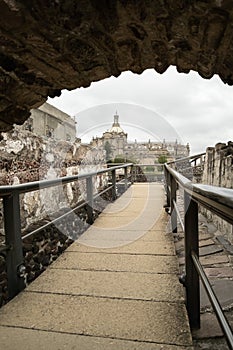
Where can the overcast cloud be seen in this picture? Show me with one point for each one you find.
(153, 106)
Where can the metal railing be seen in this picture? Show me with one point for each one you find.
(220, 202)
(146, 172)
(13, 247)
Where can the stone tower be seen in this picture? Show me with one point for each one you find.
(116, 137)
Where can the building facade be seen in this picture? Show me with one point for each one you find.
(115, 143)
(50, 122)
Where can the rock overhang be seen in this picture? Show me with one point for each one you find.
(47, 46)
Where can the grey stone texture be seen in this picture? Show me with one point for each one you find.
(48, 46)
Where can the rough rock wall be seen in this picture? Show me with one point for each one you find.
(47, 46)
(218, 171)
(26, 157)
(218, 165)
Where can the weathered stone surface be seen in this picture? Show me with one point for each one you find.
(111, 262)
(104, 317)
(214, 260)
(27, 339)
(111, 284)
(218, 168)
(219, 272)
(223, 289)
(206, 242)
(209, 327)
(211, 249)
(47, 46)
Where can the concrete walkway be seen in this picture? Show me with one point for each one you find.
(116, 288)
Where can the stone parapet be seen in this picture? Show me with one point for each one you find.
(218, 171)
(219, 165)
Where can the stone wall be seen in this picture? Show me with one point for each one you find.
(26, 157)
(218, 171)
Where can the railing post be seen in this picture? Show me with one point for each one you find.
(136, 172)
(125, 175)
(192, 282)
(167, 185)
(131, 171)
(90, 201)
(172, 206)
(113, 184)
(14, 258)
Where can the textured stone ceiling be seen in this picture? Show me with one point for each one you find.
(49, 45)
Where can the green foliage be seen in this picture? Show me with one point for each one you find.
(121, 159)
(162, 159)
(150, 169)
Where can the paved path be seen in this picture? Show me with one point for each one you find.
(115, 288)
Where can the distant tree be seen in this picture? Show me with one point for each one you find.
(150, 168)
(162, 159)
(121, 159)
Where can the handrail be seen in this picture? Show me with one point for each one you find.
(53, 221)
(196, 156)
(12, 222)
(217, 199)
(38, 185)
(220, 201)
(214, 301)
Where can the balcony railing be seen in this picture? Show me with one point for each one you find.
(13, 248)
(220, 202)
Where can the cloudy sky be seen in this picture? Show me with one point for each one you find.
(153, 106)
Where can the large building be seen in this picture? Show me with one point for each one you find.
(115, 143)
(50, 122)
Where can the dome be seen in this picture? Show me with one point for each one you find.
(116, 128)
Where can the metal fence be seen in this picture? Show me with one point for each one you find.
(220, 202)
(146, 172)
(12, 222)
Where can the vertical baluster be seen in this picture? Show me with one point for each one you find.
(131, 171)
(14, 258)
(89, 200)
(113, 184)
(173, 198)
(125, 176)
(191, 244)
(167, 185)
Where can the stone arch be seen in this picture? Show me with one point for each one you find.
(47, 46)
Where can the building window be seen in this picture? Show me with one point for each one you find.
(28, 124)
(49, 132)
